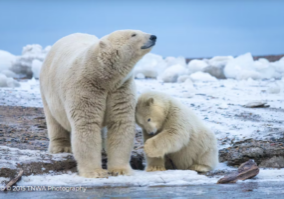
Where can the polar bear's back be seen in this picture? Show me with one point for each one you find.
(63, 54)
(69, 47)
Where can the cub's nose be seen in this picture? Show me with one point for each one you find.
(153, 37)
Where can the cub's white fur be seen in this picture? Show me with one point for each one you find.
(86, 85)
(172, 131)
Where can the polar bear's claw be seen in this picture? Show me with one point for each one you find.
(120, 171)
(155, 168)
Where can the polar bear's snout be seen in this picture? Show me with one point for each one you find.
(150, 43)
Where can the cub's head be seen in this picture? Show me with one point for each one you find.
(150, 113)
(128, 45)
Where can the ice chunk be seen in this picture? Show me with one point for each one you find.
(47, 49)
(151, 65)
(171, 74)
(200, 76)
(246, 74)
(263, 67)
(182, 78)
(6, 60)
(8, 73)
(278, 66)
(3, 80)
(36, 66)
(196, 65)
(219, 61)
(238, 67)
(12, 83)
(23, 63)
(174, 61)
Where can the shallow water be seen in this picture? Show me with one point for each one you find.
(216, 191)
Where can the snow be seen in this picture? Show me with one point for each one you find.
(200, 76)
(268, 175)
(139, 178)
(16, 156)
(182, 78)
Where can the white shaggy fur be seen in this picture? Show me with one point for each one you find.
(172, 129)
(86, 84)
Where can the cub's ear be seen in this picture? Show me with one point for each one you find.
(150, 101)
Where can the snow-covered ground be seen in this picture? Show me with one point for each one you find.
(142, 178)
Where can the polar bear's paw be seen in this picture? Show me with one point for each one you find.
(97, 173)
(60, 149)
(200, 168)
(155, 168)
(152, 150)
(120, 171)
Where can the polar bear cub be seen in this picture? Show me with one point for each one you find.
(172, 130)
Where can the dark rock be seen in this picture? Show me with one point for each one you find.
(265, 153)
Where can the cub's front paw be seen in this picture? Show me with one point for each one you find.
(152, 150)
(97, 173)
(155, 168)
(120, 171)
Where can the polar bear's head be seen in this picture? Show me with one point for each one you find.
(127, 45)
(151, 112)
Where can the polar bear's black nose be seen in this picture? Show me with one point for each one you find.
(153, 37)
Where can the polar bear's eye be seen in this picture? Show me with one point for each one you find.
(133, 35)
(149, 120)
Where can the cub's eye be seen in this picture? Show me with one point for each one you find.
(149, 120)
(133, 35)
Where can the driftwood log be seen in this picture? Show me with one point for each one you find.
(14, 181)
(246, 170)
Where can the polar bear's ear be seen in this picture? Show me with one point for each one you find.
(150, 101)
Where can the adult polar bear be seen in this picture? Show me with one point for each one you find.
(86, 84)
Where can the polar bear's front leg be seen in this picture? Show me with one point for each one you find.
(121, 128)
(153, 164)
(86, 113)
